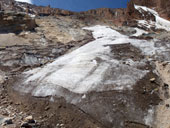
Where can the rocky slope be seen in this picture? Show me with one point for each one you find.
(15, 22)
(104, 68)
(161, 5)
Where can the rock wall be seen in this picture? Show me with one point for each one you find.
(132, 14)
(46, 11)
(162, 6)
(15, 22)
(115, 16)
(101, 15)
(148, 3)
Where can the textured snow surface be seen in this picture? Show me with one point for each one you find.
(160, 23)
(148, 119)
(26, 1)
(89, 68)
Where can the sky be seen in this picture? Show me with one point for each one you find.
(79, 5)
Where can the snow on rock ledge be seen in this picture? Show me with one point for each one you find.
(160, 23)
(26, 1)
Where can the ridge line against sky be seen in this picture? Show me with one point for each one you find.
(79, 5)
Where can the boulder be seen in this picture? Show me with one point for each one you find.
(29, 119)
(6, 121)
(133, 14)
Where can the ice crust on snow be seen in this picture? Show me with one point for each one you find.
(90, 67)
(160, 23)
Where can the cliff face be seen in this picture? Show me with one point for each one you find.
(106, 12)
(104, 15)
(132, 13)
(46, 11)
(148, 3)
(162, 6)
(121, 16)
(10, 5)
(108, 15)
(15, 22)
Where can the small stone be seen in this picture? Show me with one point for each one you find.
(61, 125)
(24, 125)
(7, 121)
(166, 86)
(164, 64)
(152, 80)
(167, 105)
(47, 108)
(17, 103)
(29, 119)
(4, 113)
(147, 68)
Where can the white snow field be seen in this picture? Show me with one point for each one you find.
(89, 68)
(26, 1)
(160, 23)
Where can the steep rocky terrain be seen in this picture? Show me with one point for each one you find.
(13, 22)
(161, 5)
(104, 68)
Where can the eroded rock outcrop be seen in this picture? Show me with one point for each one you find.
(161, 5)
(132, 13)
(113, 15)
(15, 22)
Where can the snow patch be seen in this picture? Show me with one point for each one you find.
(88, 68)
(91, 67)
(139, 32)
(160, 23)
(148, 119)
(25, 1)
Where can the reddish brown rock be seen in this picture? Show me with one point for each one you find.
(148, 3)
(116, 16)
(162, 6)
